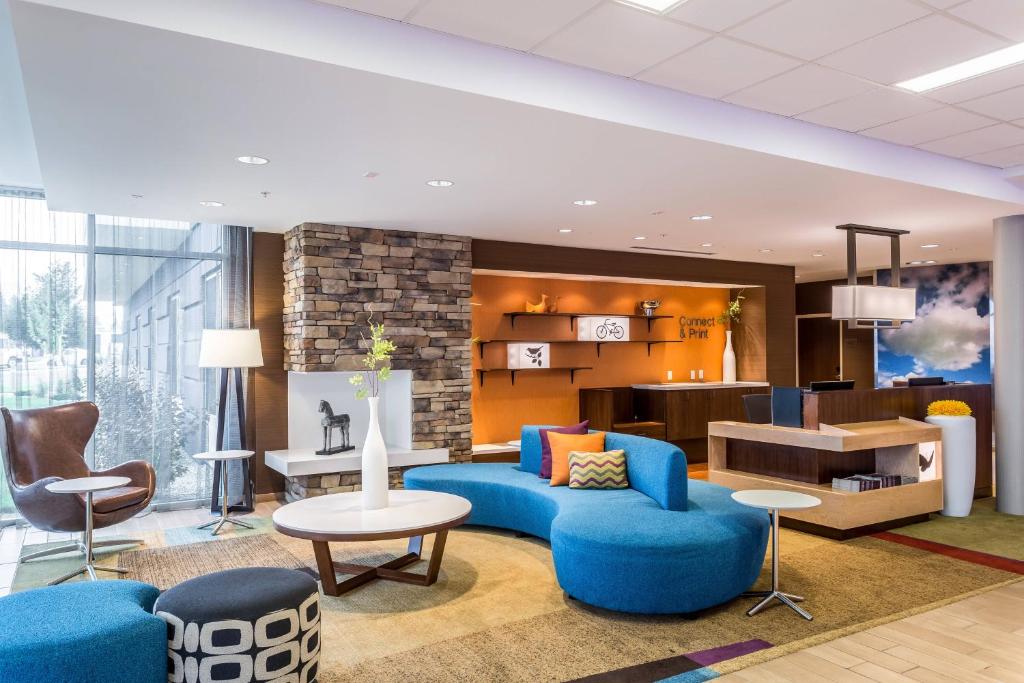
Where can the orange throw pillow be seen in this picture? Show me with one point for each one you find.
(561, 444)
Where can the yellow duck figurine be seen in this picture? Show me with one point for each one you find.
(541, 307)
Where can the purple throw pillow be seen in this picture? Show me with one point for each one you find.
(545, 445)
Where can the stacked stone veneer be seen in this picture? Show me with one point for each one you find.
(418, 285)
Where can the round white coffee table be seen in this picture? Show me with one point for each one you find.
(88, 486)
(340, 517)
(224, 457)
(773, 501)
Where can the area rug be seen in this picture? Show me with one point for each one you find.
(497, 613)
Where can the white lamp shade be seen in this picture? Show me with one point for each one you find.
(871, 302)
(230, 349)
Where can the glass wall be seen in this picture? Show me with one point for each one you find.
(111, 310)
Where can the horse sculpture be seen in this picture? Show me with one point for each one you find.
(330, 422)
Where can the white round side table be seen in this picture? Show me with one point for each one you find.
(88, 486)
(224, 457)
(773, 501)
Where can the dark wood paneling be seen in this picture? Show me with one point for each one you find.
(652, 430)
(816, 297)
(859, 357)
(778, 281)
(817, 350)
(749, 335)
(799, 464)
(863, 405)
(268, 389)
(686, 414)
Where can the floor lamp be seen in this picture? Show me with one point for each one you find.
(231, 350)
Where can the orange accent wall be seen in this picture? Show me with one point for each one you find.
(547, 397)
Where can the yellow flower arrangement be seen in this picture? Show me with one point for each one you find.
(949, 408)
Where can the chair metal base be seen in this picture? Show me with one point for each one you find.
(787, 599)
(89, 569)
(79, 546)
(220, 522)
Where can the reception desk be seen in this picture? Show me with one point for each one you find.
(760, 456)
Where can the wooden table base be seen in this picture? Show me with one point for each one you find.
(389, 571)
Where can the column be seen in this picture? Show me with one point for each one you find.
(1008, 297)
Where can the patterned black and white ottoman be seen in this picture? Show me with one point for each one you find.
(241, 625)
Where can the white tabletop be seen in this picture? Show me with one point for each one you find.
(768, 499)
(224, 455)
(342, 513)
(87, 484)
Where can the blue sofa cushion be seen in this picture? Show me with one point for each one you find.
(83, 632)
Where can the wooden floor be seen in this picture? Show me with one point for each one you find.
(977, 639)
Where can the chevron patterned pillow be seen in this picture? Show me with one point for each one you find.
(598, 470)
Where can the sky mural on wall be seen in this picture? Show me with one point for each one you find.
(951, 336)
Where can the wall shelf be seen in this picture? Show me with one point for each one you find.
(597, 344)
(512, 371)
(513, 315)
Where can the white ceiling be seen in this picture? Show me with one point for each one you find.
(159, 101)
(831, 62)
(18, 164)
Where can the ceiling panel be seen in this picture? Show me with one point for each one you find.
(870, 109)
(718, 15)
(392, 9)
(718, 67)
(1003, 158)
(972, 88)
(978, 141)
(1007, 105)
(913, 50)
(942, 4)
(800, 90)
(1005, 17)
(932, 125)
(810, 29)
(620, 40)
(519, 25)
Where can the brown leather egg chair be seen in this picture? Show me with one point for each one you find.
(45, 445)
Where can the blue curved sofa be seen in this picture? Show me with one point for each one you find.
(665, 545)
(83, 632)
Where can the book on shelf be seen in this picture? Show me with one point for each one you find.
(870, 482)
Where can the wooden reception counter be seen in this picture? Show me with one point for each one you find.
(759, 456)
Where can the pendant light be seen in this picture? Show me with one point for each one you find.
(873, 306)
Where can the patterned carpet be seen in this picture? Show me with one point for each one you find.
(496, 613)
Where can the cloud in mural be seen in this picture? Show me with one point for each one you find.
(944, 336)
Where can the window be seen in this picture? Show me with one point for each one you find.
(111, 310)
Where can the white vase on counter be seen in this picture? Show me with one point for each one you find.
(728, 361)
(958, 462)
(375, 463)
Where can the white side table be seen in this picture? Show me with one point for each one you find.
(88, 486)
(773, 501)
(224, 457)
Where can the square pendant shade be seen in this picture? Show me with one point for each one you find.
(230, 349)
(871, 302)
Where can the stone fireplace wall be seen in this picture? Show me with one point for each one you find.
(418, 285)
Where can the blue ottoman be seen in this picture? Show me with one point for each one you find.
(239, 625)
(83, 633)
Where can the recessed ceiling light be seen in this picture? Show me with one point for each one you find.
(765, 251)
(818, 254)
(585, 202)
(565, 230)
(253, 159)
(706, 244)
(914, 263)
(639, 237)
(371, 174)
(702, 217)
(928, 263)
(999, 59)
(930, 246)
(440, 183)
(656, 6)
(210, 202)
(136, 196)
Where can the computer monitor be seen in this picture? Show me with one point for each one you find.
(925, 381)
(832, 385)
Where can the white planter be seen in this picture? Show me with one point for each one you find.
(375, 463)
(958, 462)
(728, 361)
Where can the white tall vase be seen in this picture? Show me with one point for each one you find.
(375, 463)
(958, 462)
(728, 360)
